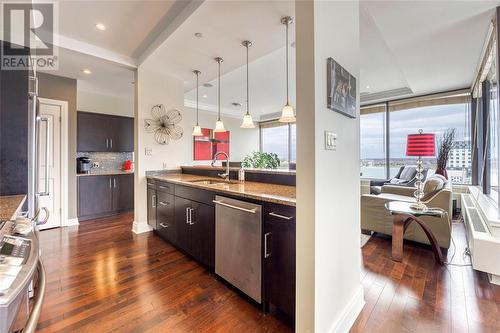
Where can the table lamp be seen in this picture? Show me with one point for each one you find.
(422, 144)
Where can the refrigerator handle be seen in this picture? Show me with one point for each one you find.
(46, 191)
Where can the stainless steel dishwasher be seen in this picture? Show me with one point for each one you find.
(238, 233)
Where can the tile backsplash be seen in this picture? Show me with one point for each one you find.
(108, 161)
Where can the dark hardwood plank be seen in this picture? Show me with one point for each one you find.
(418, 295)
(103, 278)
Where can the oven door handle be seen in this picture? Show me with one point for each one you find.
(37, 306)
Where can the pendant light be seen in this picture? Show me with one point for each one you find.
(197, 129)
(247, 118)
(219, 125)
(287, 114)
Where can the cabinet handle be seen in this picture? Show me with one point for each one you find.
(111, 143)
(266, 254)
(187, 215)
(151, 184)
(153, 201)
(110, 182)
(164, 203)
(107, 143)
(164, 187)
(191, 216)
(114, 182)
(164, 225)
(281, 216)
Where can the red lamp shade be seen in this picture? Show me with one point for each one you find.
(420, 145)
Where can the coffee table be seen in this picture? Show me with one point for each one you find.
(403, 215)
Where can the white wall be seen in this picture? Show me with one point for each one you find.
(243, 141)
(107, 104)
(329, 291)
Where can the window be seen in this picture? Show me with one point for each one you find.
(373, 142)
(393, 121)
(280, 139)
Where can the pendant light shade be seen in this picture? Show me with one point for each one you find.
(197, 129)
(247, 118)
(219, 125)
(287, 113)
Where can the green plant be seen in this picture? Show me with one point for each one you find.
(445, 146)
(261, 160)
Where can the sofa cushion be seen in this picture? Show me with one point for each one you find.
(432, 185)
(408, 173)
(396, 181)
(396, 197)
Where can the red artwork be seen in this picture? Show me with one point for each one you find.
(205, 146)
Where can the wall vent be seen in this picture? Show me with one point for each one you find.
(468, 200)
(476, 220)
(367, 98)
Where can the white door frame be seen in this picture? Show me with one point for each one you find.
(64, 155)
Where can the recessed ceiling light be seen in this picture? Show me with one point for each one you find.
(205, 96)
(100, 26)
(208, 85)
(198, 34)
(86, 71)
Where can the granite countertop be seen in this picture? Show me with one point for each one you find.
(105, 173)
(281, 194)
(10, 206)
(220, 168)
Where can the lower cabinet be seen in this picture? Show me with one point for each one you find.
(279, 258)
(104, 195)
(151, 201)
(165, 222)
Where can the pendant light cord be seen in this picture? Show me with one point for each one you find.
(287, 99)
(218, 113)
(197, 88)
(248, 99)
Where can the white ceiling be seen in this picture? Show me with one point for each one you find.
(428, 46)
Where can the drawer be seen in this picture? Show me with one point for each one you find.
(279, 213)
(165, 187)
(164, 204)
(151, 183)
(166, 228)
(195, 194)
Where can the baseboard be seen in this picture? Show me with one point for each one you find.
(350, 313)
(71, 222)
(494, 279)
(140, 228)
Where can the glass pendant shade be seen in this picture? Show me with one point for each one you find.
(287, 114)
(247, 121)
(197, 131)
(219, 127)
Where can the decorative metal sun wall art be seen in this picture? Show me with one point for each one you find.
(164, 124)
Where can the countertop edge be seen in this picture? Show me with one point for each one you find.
(282, 200)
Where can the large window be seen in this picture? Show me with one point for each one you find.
(373, 142)
(280, 139)
(434, 114)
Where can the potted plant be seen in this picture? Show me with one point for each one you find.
(445, 146)
(260, 160)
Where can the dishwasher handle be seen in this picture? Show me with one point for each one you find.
(40, 295)
(222, 203)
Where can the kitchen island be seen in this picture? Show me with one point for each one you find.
(198, 214)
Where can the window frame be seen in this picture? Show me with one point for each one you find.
(279, 124)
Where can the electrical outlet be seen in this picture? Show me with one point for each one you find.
(330, 141)
(164, 165)
(95, 164)
(148, 151)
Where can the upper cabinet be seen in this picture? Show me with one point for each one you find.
(101, 133)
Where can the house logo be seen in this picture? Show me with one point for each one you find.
(29, 32)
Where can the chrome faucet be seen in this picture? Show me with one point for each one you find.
(224, 175)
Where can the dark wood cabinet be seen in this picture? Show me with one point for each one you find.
(100, 133)
(279, 258)
(165, 222)
(203, 233)
(182, 209)
(152, 202)
(103, 195)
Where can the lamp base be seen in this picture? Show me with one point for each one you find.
(419, 206)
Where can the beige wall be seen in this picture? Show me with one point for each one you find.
(64, 89)
(107, 104)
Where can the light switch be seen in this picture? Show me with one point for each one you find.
(330, 141)
(148, 151)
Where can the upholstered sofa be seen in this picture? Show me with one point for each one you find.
(404, 177)
(437, 193)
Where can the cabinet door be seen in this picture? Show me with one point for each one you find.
(165, 216)
(94, 195)
(123, 192)
(182, 224)
(121, 134)
(152, 200)
(203, 233)
(92, 132)
(279, 258)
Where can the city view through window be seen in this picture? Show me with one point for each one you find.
(432, 119)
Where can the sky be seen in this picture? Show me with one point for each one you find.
(433, 119)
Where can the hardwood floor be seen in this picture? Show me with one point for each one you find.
(103, 278)
(417, 295)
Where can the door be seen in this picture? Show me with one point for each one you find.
(95, 195)
(152, 205)
(122, 134)
(93, 132)
(123, 192)
(50, 161)
(182, 224)
(165, 222)
(203, 233)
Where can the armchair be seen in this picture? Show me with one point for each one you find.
(404, 177)
(438, 193)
